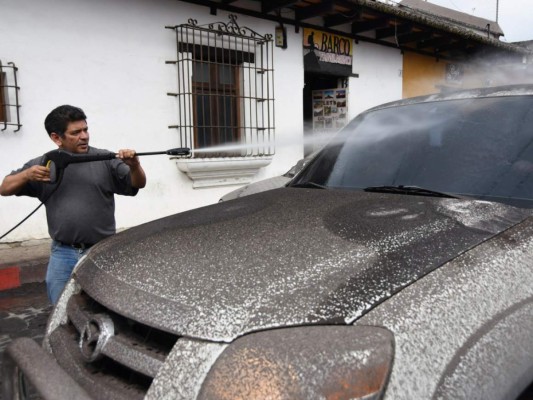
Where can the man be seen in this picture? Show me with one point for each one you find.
(80, 207)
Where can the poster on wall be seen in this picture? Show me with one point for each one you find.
(329, 111)
(327, 53)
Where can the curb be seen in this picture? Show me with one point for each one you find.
(23, 262)
(16, 275)
(9, 278)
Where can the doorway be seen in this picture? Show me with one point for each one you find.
(316, 84)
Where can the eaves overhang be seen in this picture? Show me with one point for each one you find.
(373, 21)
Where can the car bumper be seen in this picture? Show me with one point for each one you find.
(26, 366)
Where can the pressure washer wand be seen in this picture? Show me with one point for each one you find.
(62, 159)
(57, 160)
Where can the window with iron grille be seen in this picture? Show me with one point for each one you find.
(9, 100)
(225, 90)
(3, 99)
(216, 112)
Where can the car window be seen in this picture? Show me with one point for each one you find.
(480, 147)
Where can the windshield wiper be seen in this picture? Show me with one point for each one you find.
(309, 185)
(412, 190)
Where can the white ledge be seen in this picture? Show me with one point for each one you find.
(207, 172)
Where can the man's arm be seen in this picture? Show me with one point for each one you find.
(138, 177)
(12, 184)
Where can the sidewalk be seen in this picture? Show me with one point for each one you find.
(23, 262)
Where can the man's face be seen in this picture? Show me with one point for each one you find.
(76, 139)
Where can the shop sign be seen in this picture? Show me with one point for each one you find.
(328, 47)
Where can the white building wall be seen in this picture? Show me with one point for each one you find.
(108, 57)
(380, 77)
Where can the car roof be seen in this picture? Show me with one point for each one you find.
(496, 91)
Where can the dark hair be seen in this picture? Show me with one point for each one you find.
(59, 118)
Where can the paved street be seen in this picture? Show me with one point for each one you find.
(23, 313)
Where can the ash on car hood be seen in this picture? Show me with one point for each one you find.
(285, 257)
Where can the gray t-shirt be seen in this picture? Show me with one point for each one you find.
(82, 208)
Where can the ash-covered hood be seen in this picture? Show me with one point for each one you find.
(282, 258)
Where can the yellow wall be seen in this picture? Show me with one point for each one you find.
(422, 74)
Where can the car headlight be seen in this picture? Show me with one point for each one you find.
(328, 362)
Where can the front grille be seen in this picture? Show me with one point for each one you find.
(110, 355)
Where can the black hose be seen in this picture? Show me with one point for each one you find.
(34, 211)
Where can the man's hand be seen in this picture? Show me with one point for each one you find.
(37, 173)
(138, 178)
(129, 157)
(12, 184)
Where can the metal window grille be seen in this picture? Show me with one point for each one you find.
(9, 99)
(225, 89)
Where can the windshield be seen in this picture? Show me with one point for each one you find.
(479, 147)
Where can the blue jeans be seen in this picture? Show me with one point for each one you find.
(62, 261)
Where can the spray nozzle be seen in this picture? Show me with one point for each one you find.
(178, 151)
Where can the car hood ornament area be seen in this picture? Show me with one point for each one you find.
(284, 257)
(94, 336)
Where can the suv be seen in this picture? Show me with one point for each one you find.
(398, 264)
